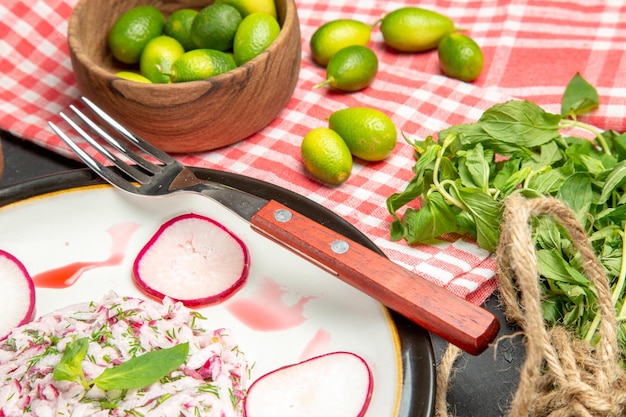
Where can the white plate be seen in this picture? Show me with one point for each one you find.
(287, 311)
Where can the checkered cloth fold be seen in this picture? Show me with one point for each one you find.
(532, 49)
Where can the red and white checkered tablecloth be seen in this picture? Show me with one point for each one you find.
(532, 49)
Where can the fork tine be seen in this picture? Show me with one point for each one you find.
(123, 166)
(121, 147)
(108, 174)
(136, 140)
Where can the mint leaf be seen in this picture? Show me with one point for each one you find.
(397, 200)
(474, 167)
(576, 192)
(521, 122)
(143, 370)
(70, 368)
(486, 213)
(580, 97)
(615, 179)
(426, 157)
(434, 219)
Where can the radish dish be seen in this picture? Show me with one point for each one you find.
(64, 363)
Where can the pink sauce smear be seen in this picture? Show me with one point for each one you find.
(265, 309)
(66, 275)
(318, 345)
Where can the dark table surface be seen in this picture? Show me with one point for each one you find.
(482, 385)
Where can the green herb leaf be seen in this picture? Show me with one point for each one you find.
(580, 97)
(70, 367)
(143, 370)
(486, 213)
(553, 266)
(432, 220)
(615, 179)
(548, 181)
(474, 167)
(549, 154)
(473, 134)
(467, 134)
(615, 215)
(508, 180)
(520, 122)
(413, 190)
(576, 192)
(618, 142)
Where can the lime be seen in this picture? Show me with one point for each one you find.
(335, 35)
(132, 76)
(178, 26)
(215, 26)
(412, 29)
(256, 32)
(199, 64)
(133, 30)
(460, 57)
(157, 58)
(326, 156)
(247, 7)
(351, 69)
(369, 133)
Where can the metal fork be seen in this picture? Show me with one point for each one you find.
(148, 178)
(452, 318)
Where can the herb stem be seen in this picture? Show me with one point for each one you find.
(566, 123)
(440, 186)
(617, 291)
(592, 329)
(621, 280)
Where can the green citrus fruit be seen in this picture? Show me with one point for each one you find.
(460, 57)
(133, 30)
(178, 26)
(132, 76)
(351, 69)
(157, 58)
(256, 32)
(326, 156)
(335, 35)
(199, 64)
(215, 26)
(369, 133)
(247, 7)
(412, 29)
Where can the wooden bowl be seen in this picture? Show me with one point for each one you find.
(185, 117)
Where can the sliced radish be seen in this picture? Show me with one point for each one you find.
(192, 259)
(337, 384)
(18, 293)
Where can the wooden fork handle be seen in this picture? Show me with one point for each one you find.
(450, 317)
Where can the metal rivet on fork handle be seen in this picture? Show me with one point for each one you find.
(282, 215)
(339, 246)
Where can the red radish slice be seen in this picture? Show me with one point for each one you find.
(192, 259)
(18, 294)
(337, 384)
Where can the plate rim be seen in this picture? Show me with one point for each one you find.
(416, 349)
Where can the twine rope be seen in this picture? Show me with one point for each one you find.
(562, 375)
